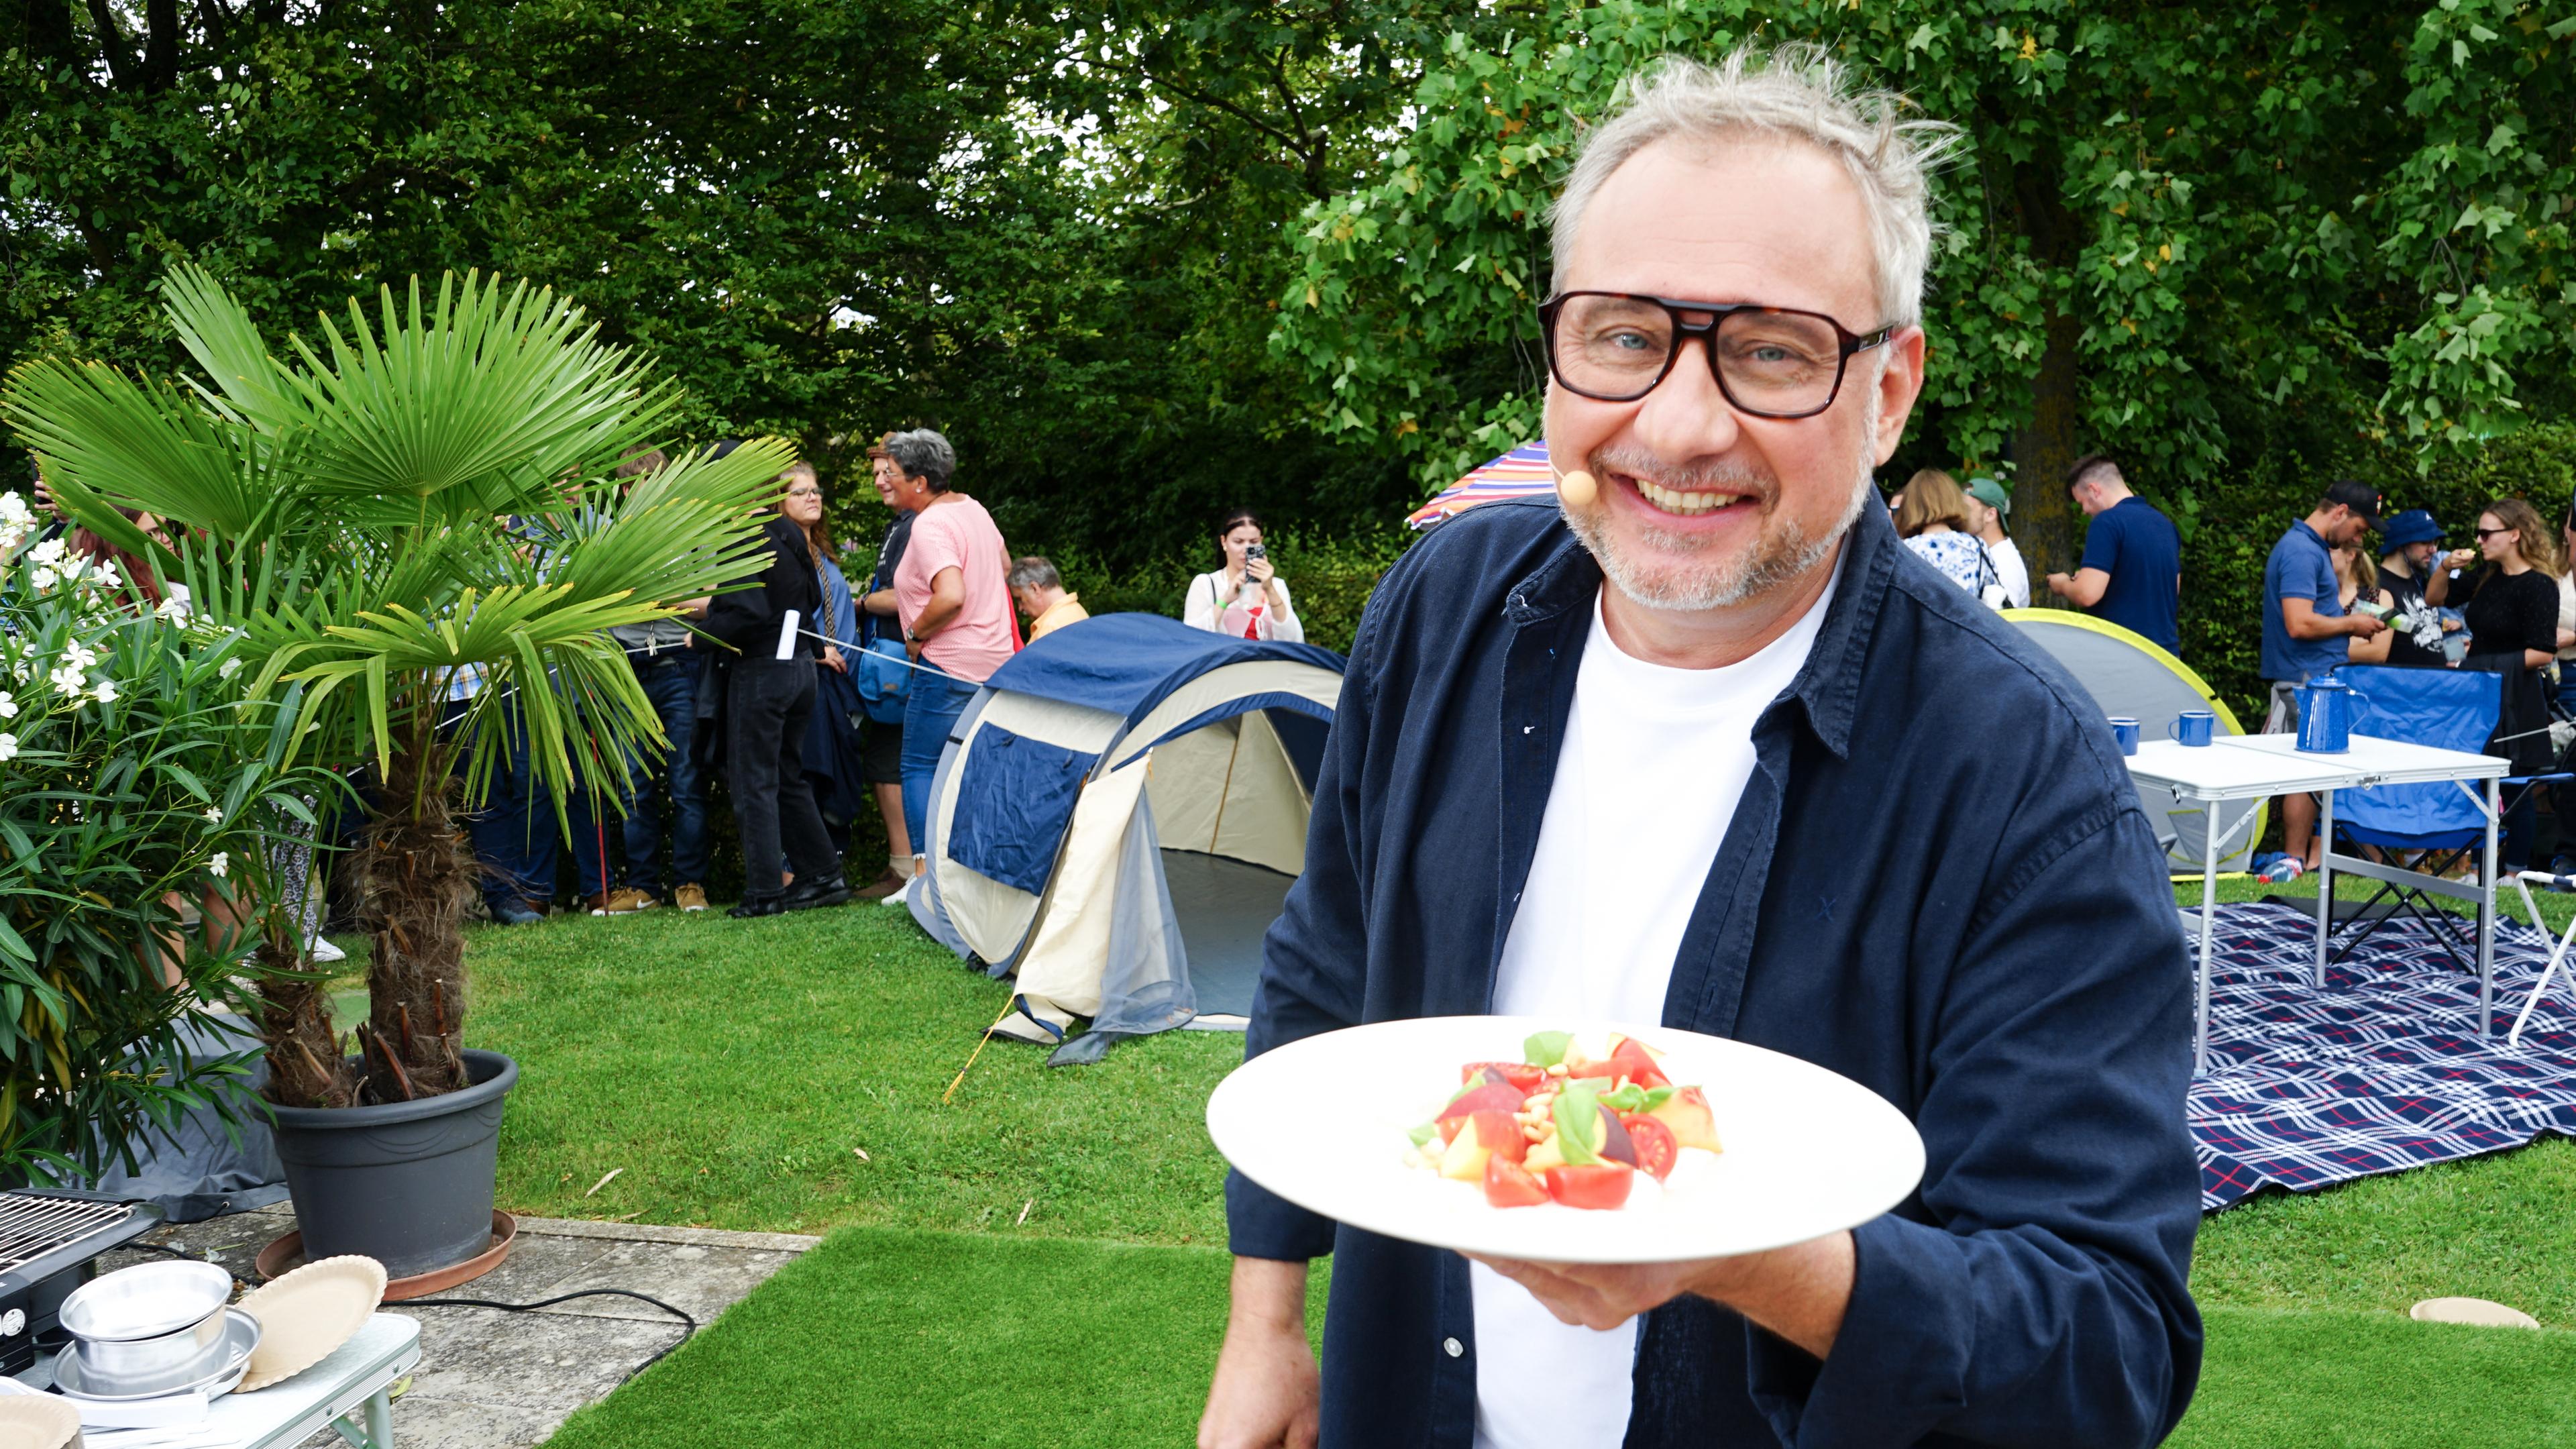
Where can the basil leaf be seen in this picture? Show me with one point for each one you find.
(1630, 1098)
(1546, 1048)
(1424, 1133)
(1658, 1097)
(1577, 1113)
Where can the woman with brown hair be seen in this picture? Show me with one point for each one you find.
(1932, 518)
(2357, 584)
(2513, 630)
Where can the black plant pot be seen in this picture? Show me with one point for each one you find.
(408, 1184)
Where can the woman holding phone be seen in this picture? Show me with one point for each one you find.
(1245, 598)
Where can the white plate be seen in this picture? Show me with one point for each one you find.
(1322, 1123)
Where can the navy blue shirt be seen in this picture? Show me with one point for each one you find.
(2301, 567)
(2139, 549)
(1983, 936)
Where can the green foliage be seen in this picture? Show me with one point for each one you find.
(2305, 228)
(133, 777)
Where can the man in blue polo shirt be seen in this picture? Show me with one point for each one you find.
(2132, 569)
(2306, 631)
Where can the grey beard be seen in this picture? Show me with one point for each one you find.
(1774, 560)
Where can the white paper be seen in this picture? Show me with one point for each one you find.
(787, 637)
(168, 1411)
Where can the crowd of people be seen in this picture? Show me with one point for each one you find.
(2506, 604)
(820, 700)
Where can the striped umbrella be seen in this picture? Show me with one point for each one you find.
(1521, 473)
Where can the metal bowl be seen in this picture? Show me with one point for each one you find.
(149, 1320)
(76, 1378)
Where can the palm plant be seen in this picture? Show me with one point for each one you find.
(423, 496)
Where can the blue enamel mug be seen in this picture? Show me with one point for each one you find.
(2326, 709)
(2193, 727)
(2124, 728)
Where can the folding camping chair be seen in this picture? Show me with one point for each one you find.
(2446, 709)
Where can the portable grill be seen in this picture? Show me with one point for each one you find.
(50, 1241)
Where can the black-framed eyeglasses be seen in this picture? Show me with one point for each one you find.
(1771, 362)
(2486, 533)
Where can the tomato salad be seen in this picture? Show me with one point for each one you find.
(1565, 1125)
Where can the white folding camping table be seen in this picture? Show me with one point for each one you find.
(2250, 767)
(350, 1391)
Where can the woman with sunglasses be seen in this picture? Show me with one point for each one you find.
(2512, 615)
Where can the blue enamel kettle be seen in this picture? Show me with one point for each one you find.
(2326, 711)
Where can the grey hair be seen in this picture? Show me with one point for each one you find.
(923, 453)
(1033, 573)
(1797, 93)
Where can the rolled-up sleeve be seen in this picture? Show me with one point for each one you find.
(1314, 959)
(2037, 1292)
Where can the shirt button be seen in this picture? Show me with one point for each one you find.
(1454, 1347)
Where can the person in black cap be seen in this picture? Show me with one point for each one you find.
(2306, 632)
(2409, 542)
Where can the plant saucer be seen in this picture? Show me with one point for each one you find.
(308, 1313)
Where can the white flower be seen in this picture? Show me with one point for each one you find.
(105, 691)
(44, 579)
(222, 862)
(69, 679)
(230, 668)
(8, 701)
(50, 551)
(214, 815)
(174, 607)
(14, 509)
(79, 655)
(8, 748)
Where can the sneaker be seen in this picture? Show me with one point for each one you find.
(626, 901)
(886, 884)
(515, 913)
(597, 905)
(902, 897)
(749, 909)
(321, 952)
(690, 897)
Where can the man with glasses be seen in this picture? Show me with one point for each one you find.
(1685, 748)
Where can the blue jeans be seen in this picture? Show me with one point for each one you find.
(518, 839)
(670, 681)
(931, 704)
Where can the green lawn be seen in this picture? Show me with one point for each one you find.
(735, 1069)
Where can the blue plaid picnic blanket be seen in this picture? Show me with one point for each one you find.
(2381, 1071)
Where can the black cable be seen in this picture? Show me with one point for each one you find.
(681, 1313)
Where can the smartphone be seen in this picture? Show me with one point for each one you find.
(1256, 551)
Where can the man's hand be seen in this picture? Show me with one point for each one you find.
(1267, 1394)
(1799, 1292)
(832, 658)
(2364, 626)
(2057, 584)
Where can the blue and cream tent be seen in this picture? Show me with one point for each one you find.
(1117, 817)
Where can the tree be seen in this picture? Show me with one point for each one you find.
(421, 494)
(2171, 223)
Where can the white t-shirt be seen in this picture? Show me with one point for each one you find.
(1653, 764)
(2015, 573)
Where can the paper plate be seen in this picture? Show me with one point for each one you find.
(308, 1313)
(1322, 1123)
(37, 1421)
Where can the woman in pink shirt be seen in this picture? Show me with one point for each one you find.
(950, 593)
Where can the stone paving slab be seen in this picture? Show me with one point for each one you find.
(490, 1379)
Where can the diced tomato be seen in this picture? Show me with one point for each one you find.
(1519, 1074)
(1499, 1132)
(1653, 1143)
(1509, 1185)
(1634, 1062)
(1597, 1186)
(1605, 1068)
(1491, 1096)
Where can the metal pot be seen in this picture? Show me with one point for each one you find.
(148, 1320)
